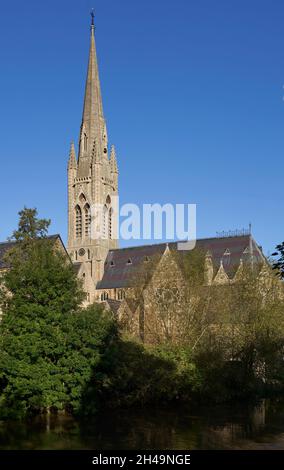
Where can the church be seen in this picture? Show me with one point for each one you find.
(107, 272)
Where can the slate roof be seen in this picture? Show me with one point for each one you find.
(5, 246)
(122, 264)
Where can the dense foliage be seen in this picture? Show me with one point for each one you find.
(50, 346)
(139, 374)
(226, 343)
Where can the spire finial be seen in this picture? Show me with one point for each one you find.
(93, 16)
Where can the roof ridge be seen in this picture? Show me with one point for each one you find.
(139, 246)
(15, 241)
(177, 241)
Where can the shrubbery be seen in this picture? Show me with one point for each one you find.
(139, 375)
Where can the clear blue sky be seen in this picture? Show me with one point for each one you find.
(193, 97)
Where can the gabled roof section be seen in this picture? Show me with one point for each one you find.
(6, 246)
(119, 273)
(113, 305)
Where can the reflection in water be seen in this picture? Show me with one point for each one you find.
(258, 427)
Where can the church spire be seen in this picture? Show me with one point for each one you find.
(92, 182)
(93, 123)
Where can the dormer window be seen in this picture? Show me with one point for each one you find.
(147, 259)
(226, 259)
(112, 263)
(129, 261)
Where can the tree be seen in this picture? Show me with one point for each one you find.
(30, 227)
(279, 262)
(242, 351)
(89, 336)
(234, 331)
(256, 309)
(170, 290)
(49, 345)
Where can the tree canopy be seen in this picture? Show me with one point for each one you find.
(49, 344)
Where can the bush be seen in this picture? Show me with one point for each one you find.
(134, 374)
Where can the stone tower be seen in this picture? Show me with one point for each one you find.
(92, 186)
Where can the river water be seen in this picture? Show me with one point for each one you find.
(183, 427)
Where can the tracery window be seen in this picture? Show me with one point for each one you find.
(110, 224)
(87, 220)
(78, 213)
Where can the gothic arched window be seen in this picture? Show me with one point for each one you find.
(121, 295)
(87, 211)
(105, 222)
(78, 213)
(82, 198)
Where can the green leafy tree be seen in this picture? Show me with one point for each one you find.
(30, 227)
(242, 352)
(49, 345)
(89, 338)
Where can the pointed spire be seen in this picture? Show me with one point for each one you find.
(72, 163)
(113, 161)
(221, 276)
(239, 273)
(93, 117)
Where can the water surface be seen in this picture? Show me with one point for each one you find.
(181, 427)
